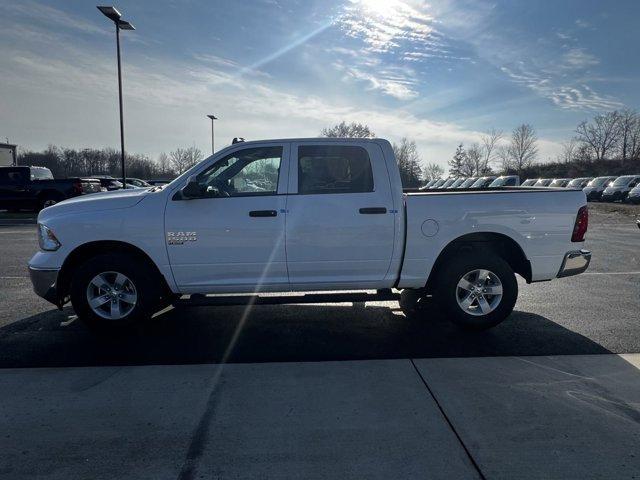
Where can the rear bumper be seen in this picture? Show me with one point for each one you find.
(44, 283)
(574, 263)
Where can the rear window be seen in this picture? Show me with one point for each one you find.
(326, 169)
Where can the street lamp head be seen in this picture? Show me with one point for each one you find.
(212, 117)
(110, 12)
(124, 25)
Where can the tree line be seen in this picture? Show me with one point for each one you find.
(71, 162)
(608, 143)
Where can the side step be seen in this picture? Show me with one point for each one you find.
(199, 300)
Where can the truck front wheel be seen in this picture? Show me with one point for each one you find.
(477, 289)
(111, 291)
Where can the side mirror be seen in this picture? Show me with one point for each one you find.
(192, 188)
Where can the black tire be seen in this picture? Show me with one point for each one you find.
(410, 301)
(141, 275)
(49, 199)
(446, 288)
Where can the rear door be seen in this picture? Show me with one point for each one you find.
(340, 217)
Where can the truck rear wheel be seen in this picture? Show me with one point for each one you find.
(111, 291)
(477, 290)
(48, 200)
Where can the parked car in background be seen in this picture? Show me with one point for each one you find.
(136, 182)
(529, 182)
(468, 182)
(447, 182)
(595, 187)
(34, 188)
(483, 182)
(634, 195)
(543, 182)
(579, 182)
(619, 189)
(154, 183)
(348, 225)
(559, 182)
(457, 183)
(108, 183)
(506, 181)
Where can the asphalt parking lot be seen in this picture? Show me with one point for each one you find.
(329, 391)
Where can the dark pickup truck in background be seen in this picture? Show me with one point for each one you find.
(34, 188)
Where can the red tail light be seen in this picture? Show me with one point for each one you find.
(77, 187)
(581, 225)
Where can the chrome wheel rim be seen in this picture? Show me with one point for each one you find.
(112, 295)
(479, 292)
(49, 203)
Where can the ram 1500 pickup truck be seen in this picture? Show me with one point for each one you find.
(34, 188)
(306, 215)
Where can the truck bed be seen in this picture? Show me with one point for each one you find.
(539, 219)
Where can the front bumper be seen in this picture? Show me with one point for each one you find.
(574, 263)
(612, 197)
(594, 195)
(44, 283)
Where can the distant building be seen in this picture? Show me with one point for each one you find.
(7, 154)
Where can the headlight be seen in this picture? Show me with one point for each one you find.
(47, 239)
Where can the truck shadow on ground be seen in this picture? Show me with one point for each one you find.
(282, 333)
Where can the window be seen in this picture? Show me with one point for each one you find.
(252, 171)
(41, 174)
(8, 175)
(333, 169)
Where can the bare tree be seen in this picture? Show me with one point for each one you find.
(569, 151)
(432, 171)
(182, 159)
(164, 164)
(408, 159)
(348, 130)
(601, 134)
(521, 151)
(473, 163)
(628, 133)
(490, 142)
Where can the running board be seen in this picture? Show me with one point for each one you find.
(199, 300)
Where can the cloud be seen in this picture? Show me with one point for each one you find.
(579, 58)
(53, 16)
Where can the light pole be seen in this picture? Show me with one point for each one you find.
(114, 15)
(212, 117)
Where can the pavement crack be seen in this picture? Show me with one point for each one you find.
(446, 418)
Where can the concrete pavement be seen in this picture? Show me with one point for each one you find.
(525, 417)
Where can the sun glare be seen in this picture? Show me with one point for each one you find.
(383, 8)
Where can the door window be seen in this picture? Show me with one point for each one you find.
(326, 169)
(248, 172)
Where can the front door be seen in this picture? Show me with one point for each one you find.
(340, 216)
(231, 238)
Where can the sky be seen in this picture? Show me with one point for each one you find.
(439, 72)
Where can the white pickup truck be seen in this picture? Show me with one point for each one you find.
(303, 215)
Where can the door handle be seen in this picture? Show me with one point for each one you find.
(373, 210)
(263, 213)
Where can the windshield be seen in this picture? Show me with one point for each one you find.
(528, 183)
(468, 182)
(480, 182)
(543, 182)
(622, 181)
(499, 182)
(457, 183)
(448, 182)
(598, 181)
(576, 182)
(560, 182)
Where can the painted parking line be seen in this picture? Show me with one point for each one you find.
(611, 273)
